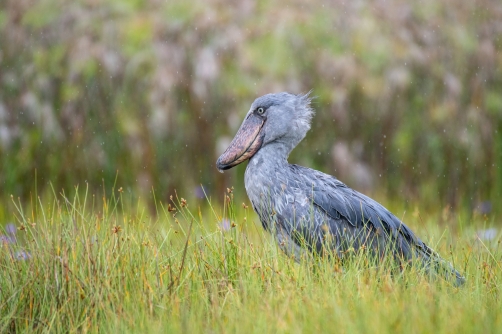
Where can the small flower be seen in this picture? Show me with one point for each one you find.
(116, 229)
(22, 256)
(10, 229)
(10, 237)
(488, 234)
(5, 239)
(120, 190)
(224, 224)
(244, 205)
(183, 202)
(200, 192)
(170, 208)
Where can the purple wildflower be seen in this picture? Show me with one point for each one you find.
(10, 237)
(488, 234)
(5, 239)
(23, 256)
(224, 224)
(10, 229)
(200, 192)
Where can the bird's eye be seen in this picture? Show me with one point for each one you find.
(260, 110)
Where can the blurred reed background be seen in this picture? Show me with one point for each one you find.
(409, 93)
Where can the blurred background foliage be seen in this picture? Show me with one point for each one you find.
(147, 94)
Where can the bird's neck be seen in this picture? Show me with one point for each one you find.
(271, 156)
(263, 177)
(269, 163)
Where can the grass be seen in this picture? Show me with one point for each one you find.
(87, 264)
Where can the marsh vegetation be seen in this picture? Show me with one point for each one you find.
(103, 264)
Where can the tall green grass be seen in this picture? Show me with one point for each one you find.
(85, 263)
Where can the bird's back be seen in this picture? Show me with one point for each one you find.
(322, 214)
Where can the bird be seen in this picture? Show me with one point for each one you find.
(310, 211)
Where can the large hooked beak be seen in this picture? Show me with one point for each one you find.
(245, 144)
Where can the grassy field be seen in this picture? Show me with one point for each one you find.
(104, 264)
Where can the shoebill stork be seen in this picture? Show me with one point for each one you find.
(308, 210)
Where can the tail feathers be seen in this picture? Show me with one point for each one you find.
(435, 265)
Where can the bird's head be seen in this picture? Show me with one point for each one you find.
(273, 118)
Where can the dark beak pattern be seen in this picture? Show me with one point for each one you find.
(245, 144)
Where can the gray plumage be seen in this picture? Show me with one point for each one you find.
(307, 209)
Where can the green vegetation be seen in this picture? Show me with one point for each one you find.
(102, 264)
(410, 91)
(146, 94)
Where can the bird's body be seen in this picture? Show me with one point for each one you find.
(308, 210)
